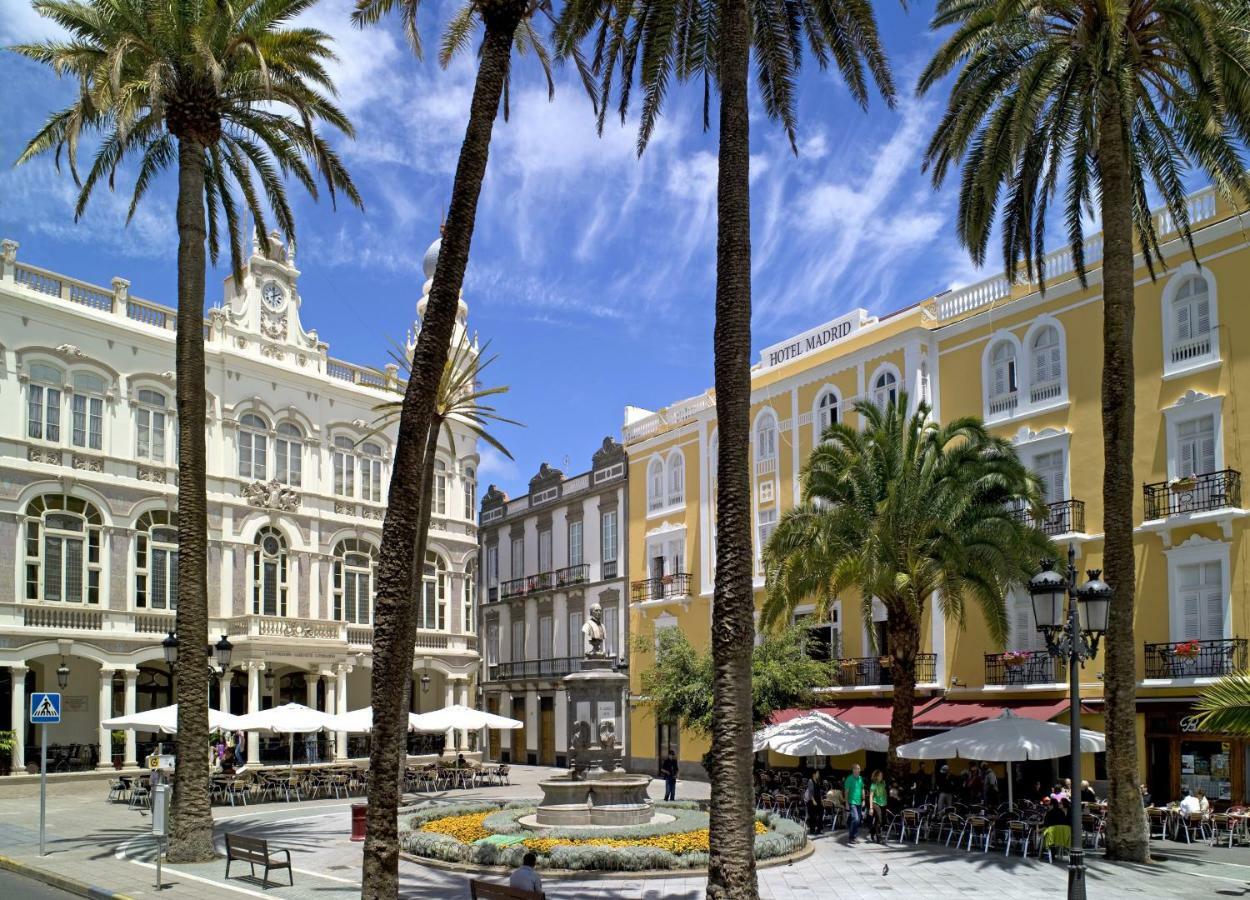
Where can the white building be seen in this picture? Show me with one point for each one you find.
(297, 487)
(547, 558)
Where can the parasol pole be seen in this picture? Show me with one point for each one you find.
(1011, 793)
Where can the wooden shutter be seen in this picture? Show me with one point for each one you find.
(1212, 610)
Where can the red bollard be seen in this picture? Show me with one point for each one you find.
(358, 821)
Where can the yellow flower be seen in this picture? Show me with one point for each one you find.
(465, 829)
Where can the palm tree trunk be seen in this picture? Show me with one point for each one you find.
(394, 612)
(191, 819)
(904, 631)
(1127, 837)
(731, 860)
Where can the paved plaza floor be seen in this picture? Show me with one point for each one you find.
(94, 843)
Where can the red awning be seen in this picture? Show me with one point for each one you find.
(866, 714)
(956, 713)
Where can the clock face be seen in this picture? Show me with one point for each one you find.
(272, 295)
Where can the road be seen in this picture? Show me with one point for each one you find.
(18, 887)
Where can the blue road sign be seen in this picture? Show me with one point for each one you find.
(45, 709)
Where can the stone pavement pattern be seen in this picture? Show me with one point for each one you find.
(96, 843)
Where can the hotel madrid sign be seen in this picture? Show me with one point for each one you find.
(816, 339)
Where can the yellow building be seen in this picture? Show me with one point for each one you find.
(1030, 365)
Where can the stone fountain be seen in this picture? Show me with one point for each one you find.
(597, 791)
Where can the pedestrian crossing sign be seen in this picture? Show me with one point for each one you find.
(45, 709)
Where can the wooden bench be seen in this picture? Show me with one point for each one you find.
(255, 852)
(485, 890)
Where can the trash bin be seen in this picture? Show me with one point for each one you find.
(358, 821)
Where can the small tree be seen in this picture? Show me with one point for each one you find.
(679, 685)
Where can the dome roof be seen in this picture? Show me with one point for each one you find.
(430, 260)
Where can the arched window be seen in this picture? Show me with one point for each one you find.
(156, 560)
(43, 403)
(434, 593)
(1191, 317)
(354, 563)
(269, 573)
(62, 550)
(1003, 396)
(151, 420)
(885, 389)
(288, 454)
(470, 494)
(766, 436)
(676, 479)
(470, 598)
(253, 440)
(655, 485)
(344, 466)
(370, 460)
(826, 413)
(1046, 358)
(440, 488)
(87, 411)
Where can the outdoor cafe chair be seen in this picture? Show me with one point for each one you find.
(953, 827)
(979, 829)
(908, 820)
(1223, 828)
(1021, 832)
(1158, 822)
(119, 789)
(141, 792)
(1191, 825)
(1093, 829)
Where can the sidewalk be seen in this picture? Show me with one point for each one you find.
(109, 846)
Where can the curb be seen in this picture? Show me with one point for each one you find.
(80, 888)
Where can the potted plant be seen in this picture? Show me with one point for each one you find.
(1183, 484)
(119, 748)
(8, 743)
(1014, 659)
(1187, 650)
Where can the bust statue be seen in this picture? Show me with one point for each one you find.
(594, 632)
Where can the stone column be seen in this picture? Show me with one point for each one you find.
(254, 669)
(310, 689)
(18, 676)
(451, 698)
(462, 693)
(106, 712)
(223, 690)
(132, 676)
(340, 707)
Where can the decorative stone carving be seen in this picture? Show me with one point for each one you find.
(88, 463)
(70, 350)
(150, 474)
(372, 512)
(271, 495)
(273, 327)
(241, 343)
(42, 455)
(344, 509)
(273, 351)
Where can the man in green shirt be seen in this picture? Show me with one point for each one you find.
(854, 789)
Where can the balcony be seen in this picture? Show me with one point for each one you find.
(608, 567)
(556, 667)
(1024, 668)
(664, 588)
(1197, 493)
(867, 671)
(1064, 517)
(543, 581)
(1196, 659)
(1004, 405)
(571, 575)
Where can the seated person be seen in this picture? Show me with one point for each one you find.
(1190, 804)
(1204, 805)
(1087, 793)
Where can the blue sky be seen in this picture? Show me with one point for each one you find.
(592, 271)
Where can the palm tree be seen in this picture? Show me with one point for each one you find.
(229, 94)
(507, 25)
(712, 41)
(1224, 707)
(1100, 99)
(904, 511)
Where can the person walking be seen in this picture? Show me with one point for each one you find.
(668, 768)
(853, 786)
(814, 804)
(878, 800)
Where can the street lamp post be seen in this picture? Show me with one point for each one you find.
(223, 649)
(1075, 640)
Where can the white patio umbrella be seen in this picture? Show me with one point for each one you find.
(360, 721)
(289, 719)
(1008, 738)
(818, 734)
(464, 718)
(164, 720)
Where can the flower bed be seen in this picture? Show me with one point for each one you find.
(460, 833)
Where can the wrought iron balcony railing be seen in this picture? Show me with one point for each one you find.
(1211, 490)
(675, 585)
(870, 671)
(1024, 667)
(1064, 517)
(556, 667)
(1196, 659)
(571, 575)
(609, 568)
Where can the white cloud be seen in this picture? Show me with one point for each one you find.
(494, 467)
